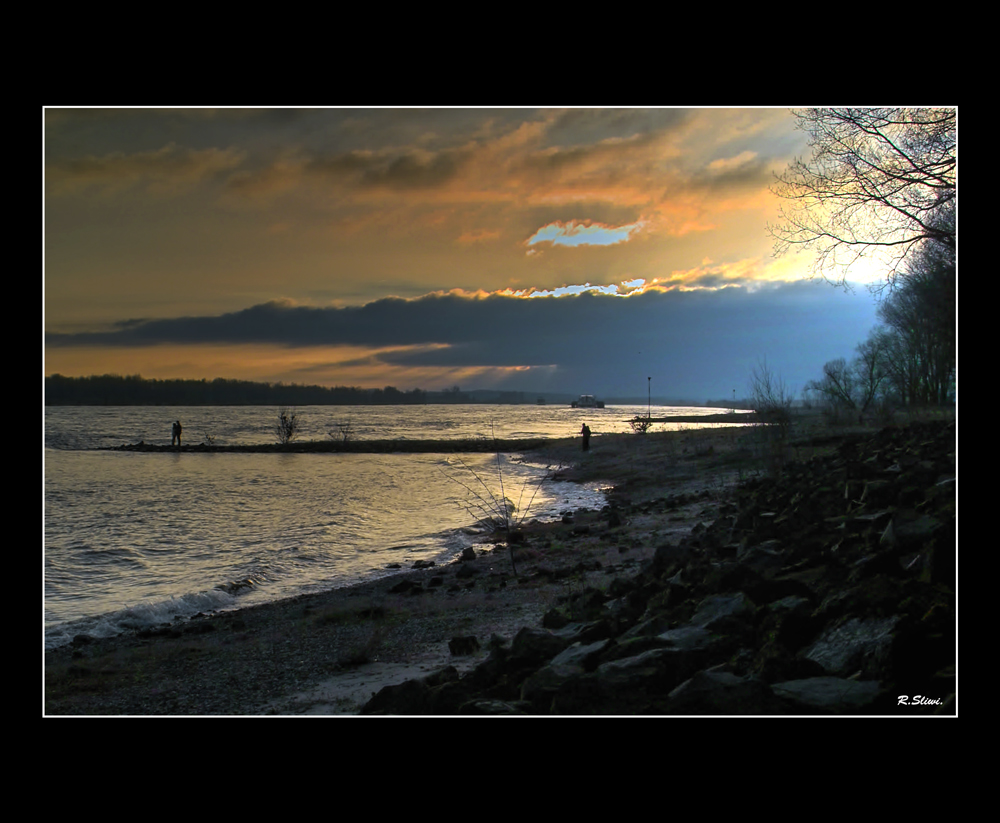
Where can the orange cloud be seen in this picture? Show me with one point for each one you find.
(165, 171)
(478, 236)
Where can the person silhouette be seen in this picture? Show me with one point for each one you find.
(175, 433)
(585, 431)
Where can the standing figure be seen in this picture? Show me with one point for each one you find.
(175, 433)
(585, 431)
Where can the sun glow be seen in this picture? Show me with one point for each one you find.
(708, 275)
(623, 289)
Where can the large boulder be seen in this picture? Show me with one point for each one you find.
(714, 692)
(828, 695)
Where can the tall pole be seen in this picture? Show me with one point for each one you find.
(649, 395)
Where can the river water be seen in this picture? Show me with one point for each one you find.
(138, 539)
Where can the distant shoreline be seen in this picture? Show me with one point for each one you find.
(134, 390)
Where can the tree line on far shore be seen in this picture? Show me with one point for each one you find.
(134, 390)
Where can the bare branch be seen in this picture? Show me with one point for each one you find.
(878, 181)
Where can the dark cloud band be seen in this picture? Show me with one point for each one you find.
(591, 336)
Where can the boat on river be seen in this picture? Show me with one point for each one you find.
(587, 401)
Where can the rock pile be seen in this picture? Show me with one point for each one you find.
(829, 590)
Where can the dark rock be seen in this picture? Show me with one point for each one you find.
(653, 672)
(585, 632)
(721, 611)
(775, 662)
(463, 645)
(411, 696)
(690, 638)
(766, 559)
(586, 605)
(535, 646)
(909, 529)
(730, 576)
(649, 627)
(539, 688)
(494, 707)
(843, 649)
(668, 558)
(631, 647)
(555, 619)
(828, 695)
(787, 622)
(718, 692)
(656, 671)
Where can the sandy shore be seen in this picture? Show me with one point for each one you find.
(327, 654)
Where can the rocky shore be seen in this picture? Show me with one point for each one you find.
(826, 589)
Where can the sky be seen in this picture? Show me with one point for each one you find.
(587, 251)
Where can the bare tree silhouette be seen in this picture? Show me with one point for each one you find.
(879, 181)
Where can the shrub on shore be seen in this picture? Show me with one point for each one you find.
(287, 426)
(772, 425)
